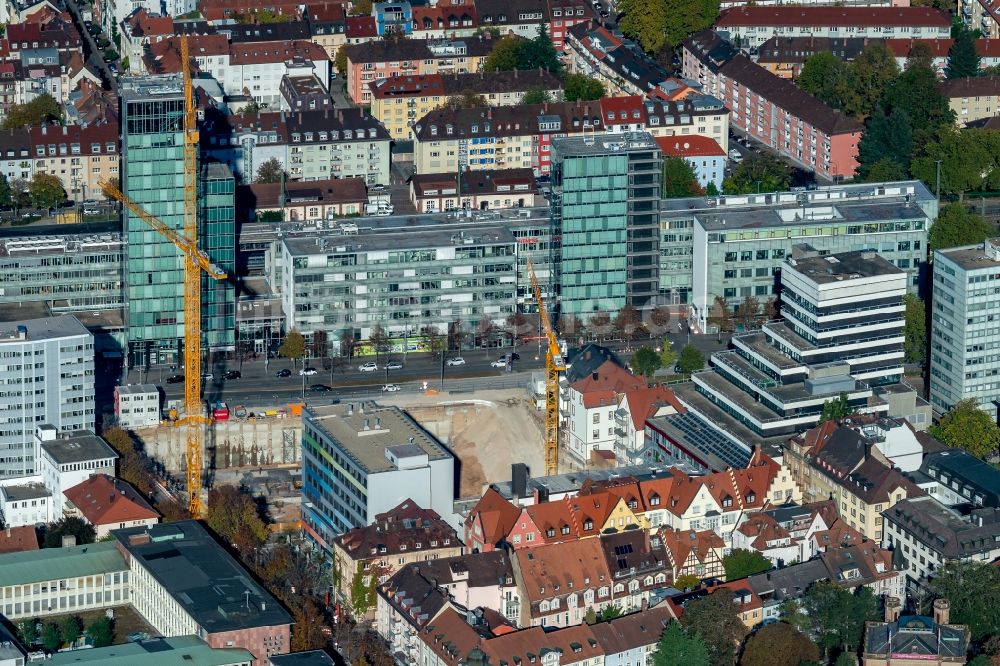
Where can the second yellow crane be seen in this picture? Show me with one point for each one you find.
(554, 364)
(195, 261)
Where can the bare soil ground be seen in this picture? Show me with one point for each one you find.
(487, 433)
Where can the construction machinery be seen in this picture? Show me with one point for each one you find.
(554, 364)
(195, 262)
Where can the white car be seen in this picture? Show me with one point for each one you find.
(499, 363)
(390, 388)
(207, 375)
(394, 365)
(458, 360)
(370, 366)
(308, 372)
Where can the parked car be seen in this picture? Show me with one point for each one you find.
(370, 366)
(394, 365)
(308, 372)
(283, 373)
(90, 210)
(735, 155)
(390, 388)
(320, 388)
(207, 375)
(175, 379)
(233, 374)
(457, 360)
(499, 363)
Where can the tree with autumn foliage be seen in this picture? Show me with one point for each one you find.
(234, 515)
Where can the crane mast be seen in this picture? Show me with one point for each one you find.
(554, 364)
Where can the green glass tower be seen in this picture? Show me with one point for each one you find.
(152, 175)
(605, 199)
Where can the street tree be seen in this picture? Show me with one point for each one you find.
(677, 646)
(958, 225)
(915, 330)
(778, 644)
(721, 316)
(836, 409)
(748, 313)
(600, 325)
(714, 618)
(70, 526)
(235, 516)
(517, 326)
(677, 179)
(668, 356)
(691, 360)
(581, 87)
(628, 323)
(46, 191)
(645, 361)
(270, 171)
(966, 426)
(963, 58)
(762, 172)
(973, 590)
(486, 332)
(659, 321)
(307, 630)
(741, 563)
(293, 347)
(569, 326)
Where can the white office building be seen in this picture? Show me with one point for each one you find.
(965, 333)
(137, 406)
(47, 373)
(68, 459)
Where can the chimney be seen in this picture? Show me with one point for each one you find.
(519, 480)
(942, 611)
(892, 607)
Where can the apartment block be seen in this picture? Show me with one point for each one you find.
(605, 194)
(360, 460)
(617, 62)
(108, 503)
(739, 243)
(982, 15)
(48, 369)
(963, 361)
(399, 101)
(474, 190)
(68, 459)
(972, 98)
(752, 25)
(79, 156)
(773, 110)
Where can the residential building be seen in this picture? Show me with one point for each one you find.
(744, 240)
(155, 651)
(634, 409)
(605, 198)
(932, 640)
(382, 59)
(137, 406)
(773, 110)
(563, 15)
(18, 539)
(67, 459)
(309, 145)
(183, 583)
(961, 363)
(958, 477)
(592, 412)
(304, 93)
(490, 521)
(972, 98)
(617, 62)
(315, 200)
(981, 15)
(752, 25)
(727, 4)
(108, 503)
(703, 154)
(632, 639)
(49, 373)
(927, 534)
(15, 157)
(688, 440)
(328, 22)
(792, 533)
(65, 273)
(79, 156)
(478, 190)
(521, 136)
(638, 562)
(521, 17)
(444, 275)
(694, 553)
(404, 534)
(54, 581)
(376, 457)
(784, 56)
(27, 504)
(987, 48)
(399, 101)
(828, 343)
(842, 462)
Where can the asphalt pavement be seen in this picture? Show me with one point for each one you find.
(90, 50)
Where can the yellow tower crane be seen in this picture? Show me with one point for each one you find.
(554, 364)
(195, 261)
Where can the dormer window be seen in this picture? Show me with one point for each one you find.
(588, 524)
(565, 529)
(550, 532)
(751, 498)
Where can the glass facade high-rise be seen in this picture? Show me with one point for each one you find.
(152, 175)
(217, 235)
(605, 198)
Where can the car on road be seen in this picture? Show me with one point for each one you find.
(394, 365)
(207, 375)
(91, 211)
(308, 372)
(283, 373)
(370, 366)
(456, 360)
(390, 388)
(320, 388)
(514, 356)
(735, 155)
(377, 187)
(113, 68)
(233, 374)
(175, 379)
(499, 363)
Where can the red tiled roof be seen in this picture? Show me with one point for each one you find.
(693, 145)
(18, 539)
(680, 544)
(326, 11)
(256, 53)
(105, 500)
(833, 16)
(142, 23)
(627, 105)
(361, 26)
(496, 514)
(442, 15)
(609, 377)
